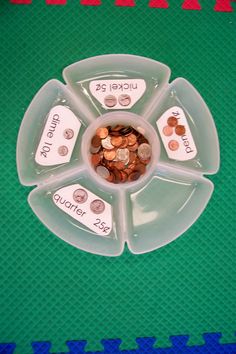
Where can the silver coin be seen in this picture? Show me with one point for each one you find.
(102, 171)
(124, 99)
(106, 143)
(144, 151)
(110, 101)
(122, 154)
(97, 206)
(80, 196)
(63, 150)
(94, 150)
(68, 133)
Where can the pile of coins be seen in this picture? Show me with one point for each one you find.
(120, 153)
(171, 127)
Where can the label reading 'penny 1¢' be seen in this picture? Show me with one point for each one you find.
(85, 207)
(58, 138)
(117, 94)
(176, 135)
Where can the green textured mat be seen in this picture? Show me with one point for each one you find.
(52, 291)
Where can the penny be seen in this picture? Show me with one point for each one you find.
(134, 176)
(116, 140)
(68, 133)
(133, 147)
(106, 143)
(172, 121)
(132, 157)
(180, 130)
(173, 145)
(80, 196)
(97, 206)
(126, 130)
(124, 176)
(95, 159)
(141, 168)
(109, 154)
(102, 133)
(124, 100)
(124, 142)
(63, 150)
(144, 151)
(167, 130)
(110, 101)
(102, 171)
(119, 165)
(132, 139)
(96, 141)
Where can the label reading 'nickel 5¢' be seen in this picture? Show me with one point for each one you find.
(118, 94)
(176, 135)
(85, 207)
(58, 138)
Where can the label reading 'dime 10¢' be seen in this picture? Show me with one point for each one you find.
(176, 135)
(117, 94)
(85, 207)
(59, 136)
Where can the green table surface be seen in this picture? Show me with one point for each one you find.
(52, 291)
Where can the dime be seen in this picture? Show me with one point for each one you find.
(144, 151)
(63, 150)
(102, 171)
(97, 206)
(68, 133)
(80, 196)
(106, 143)
(122, 154)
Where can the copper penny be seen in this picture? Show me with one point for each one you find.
(173, 145)
(167, 130)
(95, 159)
(124, 142)
(109, 154)
(134, 176)
(132, 157)
(145, 162)
(124, 176)
(172, 121)
(102, 133)
(96, 141)
(141, 168)
(133, 147)
(132, 139)
(116, 140)
(180, 130)
(119, 165)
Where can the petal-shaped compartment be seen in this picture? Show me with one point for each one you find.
(186, 128)
(165, 208)
(117, 81)
(80, 213)
(50, 134)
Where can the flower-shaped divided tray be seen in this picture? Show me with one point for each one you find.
(84, 208)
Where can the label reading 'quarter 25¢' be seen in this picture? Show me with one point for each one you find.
(85, 207)
(176, 135)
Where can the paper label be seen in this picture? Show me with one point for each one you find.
(59, 136)
(176, 135)
(85, 207)
(117, 94)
